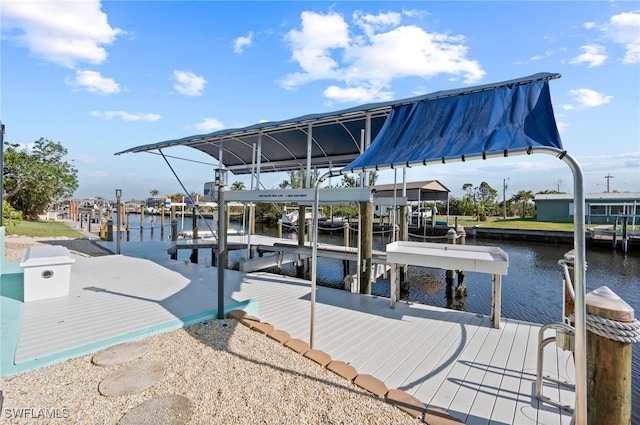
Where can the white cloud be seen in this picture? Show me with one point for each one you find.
(188, 83)
(209, 124)
(625, 29)
(547, 54)
(371, 24)
(126, 116)
(419, 13)
(622, 164)
(85, 159)
(357, 94)
(97, 174)
(587, 98)
(93, 82)
(64, 32)
(366, 62)
(311, 47)
(562, 126)
(241, 42)
(593, 55)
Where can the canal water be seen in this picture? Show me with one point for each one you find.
(531, 291)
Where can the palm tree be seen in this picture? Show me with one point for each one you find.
(524, 196)
(237, 185)
(154, 192)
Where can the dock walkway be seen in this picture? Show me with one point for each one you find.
(448, 359)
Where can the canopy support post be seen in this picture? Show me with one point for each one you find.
(579, 243)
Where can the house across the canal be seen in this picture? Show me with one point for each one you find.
(600, 208)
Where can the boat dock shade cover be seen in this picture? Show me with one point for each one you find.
(512, 116)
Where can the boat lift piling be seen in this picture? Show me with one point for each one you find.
(461, 287)
(450, 275)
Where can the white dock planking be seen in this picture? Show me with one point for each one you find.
(448, 359)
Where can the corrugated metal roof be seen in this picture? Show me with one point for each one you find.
(612, 196)
(430, 190)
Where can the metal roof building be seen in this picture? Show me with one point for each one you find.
(599, 207)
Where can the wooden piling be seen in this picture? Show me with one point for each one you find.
(301, 238)
(109, 236)
(461, 287)
(608, 363)
(450, 275)
(194, 227)
(366, 246)
(625, 236)
(345, 263)
(403, 224)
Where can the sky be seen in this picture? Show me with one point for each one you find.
(102, 77)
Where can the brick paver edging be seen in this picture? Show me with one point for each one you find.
(401, 399)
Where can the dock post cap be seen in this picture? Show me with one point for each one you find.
(605, 303)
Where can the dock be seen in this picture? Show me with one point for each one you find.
(448, 359)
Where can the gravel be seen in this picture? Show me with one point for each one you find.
(78, 248)
(230, 374)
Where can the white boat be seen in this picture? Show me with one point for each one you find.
(293, 217)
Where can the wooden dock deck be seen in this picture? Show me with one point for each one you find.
(448, 359)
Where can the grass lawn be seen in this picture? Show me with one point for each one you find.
(514, 223)
(517, 223)
(51, 229)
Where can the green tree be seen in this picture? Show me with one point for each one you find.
(298, 179)
(482, 197)
(154, 192)
(523, 196)
(486, 194)
(373, 178)
(177, 197)
(349, 181)
(237, 185)
(548, 192)
(36, 176)
(10, 217)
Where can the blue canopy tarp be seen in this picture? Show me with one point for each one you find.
(513, 115)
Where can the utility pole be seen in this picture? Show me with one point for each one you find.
(558, 183)
(608, 177)
(504, 198)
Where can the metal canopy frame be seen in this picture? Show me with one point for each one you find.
(322, 141)
(580, 411)
(283, 146)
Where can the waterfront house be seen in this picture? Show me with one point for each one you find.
(600, 208)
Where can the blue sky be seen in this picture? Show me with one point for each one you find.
(101, 77)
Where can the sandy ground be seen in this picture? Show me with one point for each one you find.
(15, 246)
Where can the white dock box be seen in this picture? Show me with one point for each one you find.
(47, 272)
